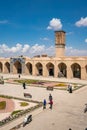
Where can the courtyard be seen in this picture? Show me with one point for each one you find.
(67, 112)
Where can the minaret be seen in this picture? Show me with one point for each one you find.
(60, 43)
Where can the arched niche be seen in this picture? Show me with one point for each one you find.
(1, 67)
(17, 67)
(62, 70)
(28, 68)
(50, 69)
(39, 68)
(76, 70)
(7, 67)
(86, 70)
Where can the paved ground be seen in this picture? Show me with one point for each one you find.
(67, 110)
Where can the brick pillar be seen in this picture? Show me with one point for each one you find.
(44, 71)
(83, 73)
(69, 72)
(55, 71)
(2, 68)
(11, 67)
(23, 68)
(33, 70)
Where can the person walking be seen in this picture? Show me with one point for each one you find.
(44, 104)
(19, 76)
(24, 85)
(50, 97)
(51, 104)
(69, 88)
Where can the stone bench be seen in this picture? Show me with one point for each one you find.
(50, 88)
(27, 95)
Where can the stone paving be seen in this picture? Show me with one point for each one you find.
(67, 109)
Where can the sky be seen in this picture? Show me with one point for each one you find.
(27, 27)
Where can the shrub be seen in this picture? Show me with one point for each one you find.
(15, 112)
(23, 104)
(27, 81)
(61, 85)
(2, 105)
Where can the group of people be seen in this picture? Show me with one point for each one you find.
(50, 102)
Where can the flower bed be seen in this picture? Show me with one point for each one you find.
(19, 112)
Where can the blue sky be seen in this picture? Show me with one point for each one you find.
(27, 26)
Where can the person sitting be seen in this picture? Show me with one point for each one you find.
(25, 120)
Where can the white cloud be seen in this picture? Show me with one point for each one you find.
(17, 48)
(42, 49)
(69, 33)
(45, 39)
(37, 48)
(81, 22)
(6, 51)
(55, 24)
(70, 51)
(3, 21)
(86, 40)
(25, 48)
(30, 51)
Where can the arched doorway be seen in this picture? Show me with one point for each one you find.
(62, 70)
(29, 68)
(39, 69)
(17, 68)
(50, 68)
(76, 70)
(1, 67)
(7, 67)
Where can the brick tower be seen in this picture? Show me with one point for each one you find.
(60, 43)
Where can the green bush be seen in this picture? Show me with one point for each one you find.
(2, 105)
(15, 112)
(61, 85)
(27, 81)
(23, 104)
